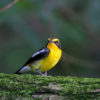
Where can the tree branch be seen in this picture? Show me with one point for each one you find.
(8, 6)
(60, 87)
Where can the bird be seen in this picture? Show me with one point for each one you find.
(44, 59)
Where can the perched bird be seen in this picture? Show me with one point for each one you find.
(44, 59)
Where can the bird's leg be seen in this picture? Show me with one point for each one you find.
(44, 73)
(38, 71)
(41, 73)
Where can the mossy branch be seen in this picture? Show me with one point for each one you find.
(34, 86)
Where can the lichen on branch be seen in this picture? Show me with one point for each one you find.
(36, 86)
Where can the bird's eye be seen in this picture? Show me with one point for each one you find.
(56, 42)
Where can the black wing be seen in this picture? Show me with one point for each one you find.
(38, 55)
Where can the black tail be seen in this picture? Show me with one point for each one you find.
(18, 72)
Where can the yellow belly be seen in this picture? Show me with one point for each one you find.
(49, 62)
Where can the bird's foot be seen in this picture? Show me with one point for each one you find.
(41, 73)
(44, 73)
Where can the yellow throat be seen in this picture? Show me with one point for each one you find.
(53, 57)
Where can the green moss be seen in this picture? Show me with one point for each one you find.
(27, 85)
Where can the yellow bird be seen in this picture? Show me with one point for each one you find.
(44, 59)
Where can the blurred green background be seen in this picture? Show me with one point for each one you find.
(25, 27)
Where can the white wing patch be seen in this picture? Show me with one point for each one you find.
(38, 52)
(25, 69)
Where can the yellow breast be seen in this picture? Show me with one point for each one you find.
(52, 59)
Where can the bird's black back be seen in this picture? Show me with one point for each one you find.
(37, 56)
